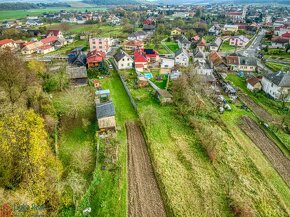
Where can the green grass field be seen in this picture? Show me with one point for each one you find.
(226, 47)
(17, 14)
(276, 67)
(173, 46)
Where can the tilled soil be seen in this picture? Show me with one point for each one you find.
(144, 195)
(279, 161)
(258, 110)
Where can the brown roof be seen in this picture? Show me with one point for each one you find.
(215, 58)
(253, 81)
(232, 60)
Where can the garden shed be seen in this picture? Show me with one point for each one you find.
(105, 113)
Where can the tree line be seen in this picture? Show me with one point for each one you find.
(26, 6)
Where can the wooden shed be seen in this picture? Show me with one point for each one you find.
(105, 113)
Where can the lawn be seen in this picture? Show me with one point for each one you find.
(226, 47)
(100, 30)
(173, 46)
(16, 14)
(276, 67)
(209, 38)
(160, 48)
(108, 192)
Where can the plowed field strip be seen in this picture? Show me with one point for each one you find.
(279, 161)
(144, 195)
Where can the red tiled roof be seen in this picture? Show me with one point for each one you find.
(95, 56)
(215, 58)
(5, 41)
(286, 35)
(54, 32)
(202, 42)
(234, 13)
(49, 39)
(139, 57)
(44, 47)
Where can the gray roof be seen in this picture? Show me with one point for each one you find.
(136, 34)
(180, 51)
(281, 79)
(217, 42)
(182, 39)
(120, 55)
(105, 110)
(76, 72)
(248, 61)
(198, 53)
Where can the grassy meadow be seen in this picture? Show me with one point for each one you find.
(17, 14)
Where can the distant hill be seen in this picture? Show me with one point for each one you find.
(111, 2)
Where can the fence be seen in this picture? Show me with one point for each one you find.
(125, 86)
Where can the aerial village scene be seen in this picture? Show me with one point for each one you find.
(145, 109)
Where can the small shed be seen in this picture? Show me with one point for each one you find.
(105, 113)
(102, 95)
(164, 96)
(78, 75)
(254, 84)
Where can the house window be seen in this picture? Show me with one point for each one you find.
(100, 42)
(94, 47)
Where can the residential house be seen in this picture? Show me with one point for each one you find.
(56, 33)
(77, 75)
(60, 43)
(198, 54)
(183, 42)
(231, 28)
(247, 64)
(214, 46)
(217, 62)
(140, 36)
(133, 45)
(233, 61)
(50, 40)
(94, 58)
(176, 32)
(33, 23)
(280, 30)
(254, 84)
(7, 43)
(240, 41)
(181, 57)
(214, 30)
(149, 24)
(123, 60)
(101, 44)
(77, 57)
(31, 47)
(277, 85)
(201, 44)
(140, 61)
(44, 49)
(150, 54)
(236, 16)
(286, 35)
(105, 113)
(166, 65)
(279, 42)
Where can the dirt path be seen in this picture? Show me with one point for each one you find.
(279, 161)
(258, 110)
(144, 195)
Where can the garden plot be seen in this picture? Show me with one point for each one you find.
(279, 161)
(144, 195)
